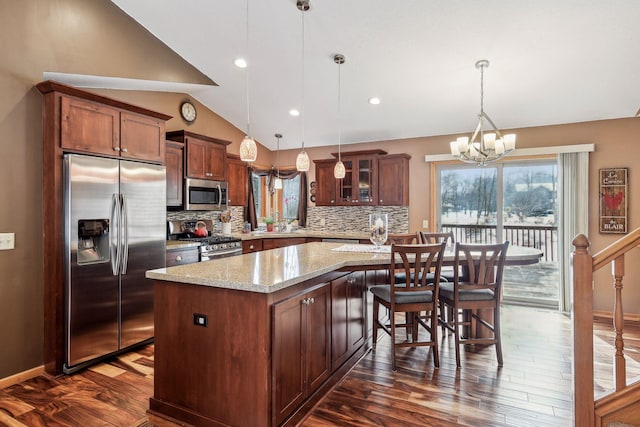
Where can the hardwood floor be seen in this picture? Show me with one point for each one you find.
(532, 389)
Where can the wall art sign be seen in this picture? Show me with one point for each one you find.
(613, 200)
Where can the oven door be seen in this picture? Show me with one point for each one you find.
(205, 195)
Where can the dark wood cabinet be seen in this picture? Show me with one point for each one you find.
(359, 186)
(181, 256)
(89, 126)
(372, 178)
(238, 177)
(393, 180)
(174, 160)
(206, 157)
(348, 314)
(141, 138)
(93, 127)
(253, 245)
(301, 348)
(325, 182)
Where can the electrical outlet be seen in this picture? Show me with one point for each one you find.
(200, 319)
(7, 241)
(425, 223)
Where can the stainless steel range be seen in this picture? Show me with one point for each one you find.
(212, 245)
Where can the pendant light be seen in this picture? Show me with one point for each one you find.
(277, 184)
(302, 161)
(248, 148)
(338, 170)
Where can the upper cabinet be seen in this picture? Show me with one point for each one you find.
(94, 124)
(206, 157)
(238, 177)
(174, 156)
(393, 180)
(373, 178)
(359, 185)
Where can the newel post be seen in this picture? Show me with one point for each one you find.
(583, 399)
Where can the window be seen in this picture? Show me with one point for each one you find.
(281, 204)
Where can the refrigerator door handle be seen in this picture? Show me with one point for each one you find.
(125, 234)
(114, 246)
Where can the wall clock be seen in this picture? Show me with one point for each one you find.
(188, 111)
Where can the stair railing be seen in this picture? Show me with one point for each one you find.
(584, 265)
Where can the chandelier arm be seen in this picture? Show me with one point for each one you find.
(493, 125)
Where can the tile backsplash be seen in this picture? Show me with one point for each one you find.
(350, 219)
(355, 219)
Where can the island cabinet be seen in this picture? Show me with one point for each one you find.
(301, 348)
(241, 358)
(206, 157)
(174, 160)
(348, 314)
(238, 177)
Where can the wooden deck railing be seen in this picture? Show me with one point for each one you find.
(584, 265)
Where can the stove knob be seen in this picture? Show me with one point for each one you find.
(214, 247)
(223, 246)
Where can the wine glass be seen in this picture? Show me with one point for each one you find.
(378, 229)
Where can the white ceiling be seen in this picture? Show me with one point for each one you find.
(552, 61)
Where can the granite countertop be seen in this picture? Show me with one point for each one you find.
(268, 271)
(271, 270)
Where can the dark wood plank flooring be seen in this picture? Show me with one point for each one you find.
(532, 389)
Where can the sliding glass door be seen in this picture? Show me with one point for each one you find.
(515, 201)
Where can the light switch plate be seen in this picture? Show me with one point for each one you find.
(7, 241)
(425, 223)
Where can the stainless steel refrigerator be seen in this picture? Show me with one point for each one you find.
(115, 230)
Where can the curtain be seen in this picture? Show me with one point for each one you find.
(573, 180)
(271, 175)
(250, 209)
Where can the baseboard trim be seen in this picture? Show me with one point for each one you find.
(21, 376)
(609, 315)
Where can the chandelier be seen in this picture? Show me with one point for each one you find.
(483, 147)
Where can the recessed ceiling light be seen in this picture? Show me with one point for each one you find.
(294, 112)
(374, 101)
(240, 63)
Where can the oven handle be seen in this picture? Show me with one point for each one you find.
(214, 255)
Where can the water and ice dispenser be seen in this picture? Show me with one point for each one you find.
(93, 241)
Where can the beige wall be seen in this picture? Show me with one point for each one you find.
(95, 37)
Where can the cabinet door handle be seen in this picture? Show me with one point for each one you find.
(380, 200)
(305, 301)
(312, 300)
(116, 148)
(351, 280)
(179, 258)
(251, 247)
(124, 150)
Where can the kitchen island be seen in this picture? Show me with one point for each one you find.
(258, 339)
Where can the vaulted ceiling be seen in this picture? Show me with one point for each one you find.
(551, 62)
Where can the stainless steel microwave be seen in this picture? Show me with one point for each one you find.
(205, 195)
